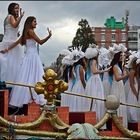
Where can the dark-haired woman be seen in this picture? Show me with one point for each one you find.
(133, 95)
(77, 103)
(117, 87)
(31, 69)
(138, 87)
(10, 61)
(94, 86)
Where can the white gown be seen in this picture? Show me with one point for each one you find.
(132, 111)
(117, 89)
(30, 72)
(65, 99)
(106, 84)
(139, 104)
(77, 103)
(10, 62)
(94, 87)
(127, 88)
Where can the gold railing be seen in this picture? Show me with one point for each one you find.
(70, 93)
(52, 87)
(96, 98)
(57, 123)
(23, 85)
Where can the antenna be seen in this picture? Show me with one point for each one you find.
(126, 17)
(126, 26)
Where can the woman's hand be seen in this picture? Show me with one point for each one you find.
(137, 96)
(108, 69)
(50, 32)
(127, 72)
(21, 13)
(18, 34)
(4, 51)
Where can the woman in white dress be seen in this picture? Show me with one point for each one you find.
(138, 79)
(117, 87)
(31, 69)
(10, 61)
(68, 77)
(133, 93)
(94, 86)
(104, 63)
(77, 103)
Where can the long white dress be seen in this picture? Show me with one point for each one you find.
(77, 103)
(106, 84)
(65, 98)
(127, 88)
(132, 112)
(117, 89)
(94, 87)
(139, 102)
(10, 62)
(30, 72)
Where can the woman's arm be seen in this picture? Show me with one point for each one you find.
(116, 74)
(82, 76)
(73, 73)
(11, 46)
(37, 39)
(95, 70)
(138, 86)
(15, 22)
(132, 86)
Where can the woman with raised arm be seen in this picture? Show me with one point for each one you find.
(10, 61)
(31, 69)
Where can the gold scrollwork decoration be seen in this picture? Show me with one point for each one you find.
(125, 131)
(51, 86)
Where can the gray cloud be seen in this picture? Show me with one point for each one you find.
(57, 14)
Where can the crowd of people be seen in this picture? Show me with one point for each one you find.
(100, 72)
(97, 72)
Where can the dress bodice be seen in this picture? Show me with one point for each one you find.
(119, 71)
(89, 71)
(10, 33)
(31, 47)
(92, 74)
(77, 72)
(106, 76)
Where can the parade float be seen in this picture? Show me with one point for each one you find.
(56, 122)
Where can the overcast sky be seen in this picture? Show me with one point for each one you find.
(62, 18)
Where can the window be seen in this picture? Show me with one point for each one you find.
(102, 36)
(132, 46)
(132, 36)
(113, 36)
(123, 36)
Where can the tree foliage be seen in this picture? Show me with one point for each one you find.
(83, 37)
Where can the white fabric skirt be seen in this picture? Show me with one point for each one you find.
(30, 72)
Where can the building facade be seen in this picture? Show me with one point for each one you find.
(117, 32)
(107, 36)
(134, 37)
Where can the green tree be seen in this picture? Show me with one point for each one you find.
(83, 37)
